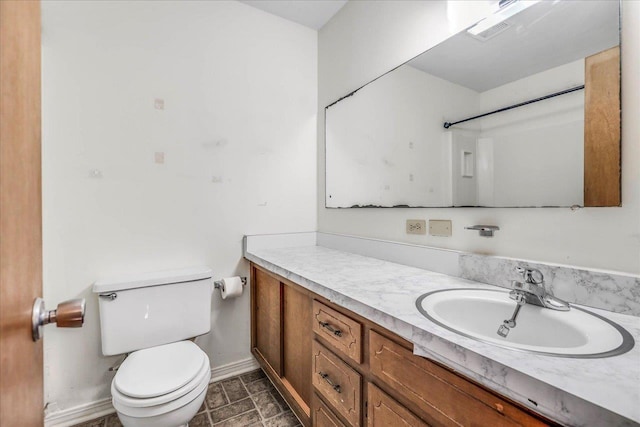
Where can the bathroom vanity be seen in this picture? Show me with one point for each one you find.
(340, 337)
(336, 368)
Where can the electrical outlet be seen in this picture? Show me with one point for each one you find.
(416, 226)
(440, 227)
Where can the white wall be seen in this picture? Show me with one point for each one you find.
(238, 132)
(367, 38)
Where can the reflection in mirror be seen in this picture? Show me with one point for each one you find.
(390, 143)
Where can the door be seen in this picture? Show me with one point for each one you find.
(21, 390)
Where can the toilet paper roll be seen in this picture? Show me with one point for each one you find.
(231, 287)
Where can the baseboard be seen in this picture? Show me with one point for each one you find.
(79, 414)
(235, 368)
(100, 408)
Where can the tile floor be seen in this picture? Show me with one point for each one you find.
(246, 400)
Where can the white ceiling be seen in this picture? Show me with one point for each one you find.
(548, 34)
(310, 13)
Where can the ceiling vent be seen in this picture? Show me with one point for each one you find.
(491, 31)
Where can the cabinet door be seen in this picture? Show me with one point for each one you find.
(297, 343)
(384, 411)
(267, 319)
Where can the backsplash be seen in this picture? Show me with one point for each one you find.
(611, 291)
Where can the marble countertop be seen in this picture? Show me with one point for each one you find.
(580, 392)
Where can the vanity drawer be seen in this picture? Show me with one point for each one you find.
(322, 415)
(337, 383)
(384, 411)
(443, 397)
(341, 332)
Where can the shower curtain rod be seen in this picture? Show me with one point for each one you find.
(447, 125)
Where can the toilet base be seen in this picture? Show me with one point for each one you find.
(177, 418)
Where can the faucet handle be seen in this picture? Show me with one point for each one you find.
(531, 275)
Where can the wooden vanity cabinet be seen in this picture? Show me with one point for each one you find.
(337, 369)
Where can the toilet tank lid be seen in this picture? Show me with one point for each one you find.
(155, 278)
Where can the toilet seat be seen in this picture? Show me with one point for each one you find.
(159, 370)
(155, 410)
(167, 377)
(135, 402)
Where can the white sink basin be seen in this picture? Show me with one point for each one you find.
(478, 313)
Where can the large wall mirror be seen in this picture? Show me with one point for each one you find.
(520, 110)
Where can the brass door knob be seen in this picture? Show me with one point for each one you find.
(68, 314)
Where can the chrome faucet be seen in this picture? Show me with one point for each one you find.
(530, 291)
(534, 292)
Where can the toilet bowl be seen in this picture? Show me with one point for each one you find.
(161, 386)
(151, 316)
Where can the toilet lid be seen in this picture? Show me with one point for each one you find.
(159, 370)
(161, 404)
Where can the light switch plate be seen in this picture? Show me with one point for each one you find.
(416, 226)
(440, 227)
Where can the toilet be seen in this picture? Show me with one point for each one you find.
(163, 381)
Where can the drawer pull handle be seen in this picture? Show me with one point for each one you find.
(334, 331)
(325, 377)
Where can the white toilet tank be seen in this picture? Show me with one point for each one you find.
(151, 309)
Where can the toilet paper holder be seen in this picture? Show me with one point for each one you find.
(219, 285)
